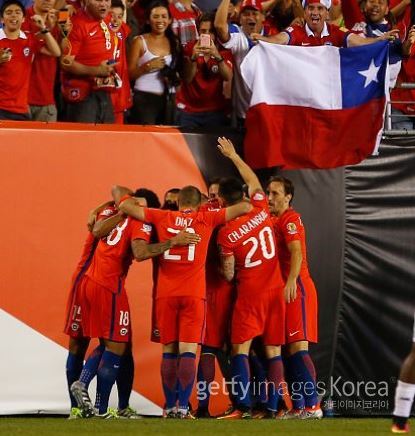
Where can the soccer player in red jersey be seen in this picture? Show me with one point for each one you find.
(16, 55)
(301, 296)
(105, 308)
(89, 64)
(100, 222)
(249, 252)
(181, 286)
(316, 31)
(219, 302)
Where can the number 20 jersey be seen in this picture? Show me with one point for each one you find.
(250, 239)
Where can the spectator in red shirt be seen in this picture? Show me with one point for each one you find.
(42, 79)
(89, 65)
(16, 56)
(121, 98)
(316, 31)
(200, 100)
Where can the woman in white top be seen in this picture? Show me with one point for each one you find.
(153, 63)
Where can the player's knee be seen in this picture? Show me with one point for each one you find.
(187, 347)
(241, 348)
(297, 346)
(272, 351)
(173, 347)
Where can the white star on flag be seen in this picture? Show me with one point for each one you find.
(371, 73)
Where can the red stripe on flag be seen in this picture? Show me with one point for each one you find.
(300, 137)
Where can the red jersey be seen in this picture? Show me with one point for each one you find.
(121, 98)
(91, 42)
(113, 255)
(331, 35)
(205, 92)
(91, 242)
(42, 77)
(15, 74)
(215, 282)
(182, 269)
(289, 227)
(250, 239)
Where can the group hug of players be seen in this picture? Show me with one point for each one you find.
(229, 274)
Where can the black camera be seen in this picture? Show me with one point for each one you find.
(170, 75)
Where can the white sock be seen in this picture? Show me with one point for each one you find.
(404, 397)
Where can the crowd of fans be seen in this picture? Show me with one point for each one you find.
(176, 62)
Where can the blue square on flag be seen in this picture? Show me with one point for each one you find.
(363, 72)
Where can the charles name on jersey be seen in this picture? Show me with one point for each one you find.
(251, 224)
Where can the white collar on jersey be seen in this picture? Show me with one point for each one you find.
(325, 31)
(4, 36)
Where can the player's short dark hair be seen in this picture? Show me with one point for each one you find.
(8, 3)
(151, 197)
(287, 183)
(190, 196)
(172, 191)
(117, 4)
(214, 181)
(231, 190)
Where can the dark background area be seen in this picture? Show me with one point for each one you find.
(360, 224)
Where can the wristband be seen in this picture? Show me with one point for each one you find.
(193, 59)
(219, 60)
(123, 198)
(44, 31)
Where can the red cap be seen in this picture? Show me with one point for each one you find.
(251, 4)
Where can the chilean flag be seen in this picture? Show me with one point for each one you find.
(314, 107)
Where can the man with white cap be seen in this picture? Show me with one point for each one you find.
(316, 31)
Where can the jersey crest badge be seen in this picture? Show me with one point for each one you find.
(258, 196)
(291, 228)
(146, 228)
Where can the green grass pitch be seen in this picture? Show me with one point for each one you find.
(59, 427)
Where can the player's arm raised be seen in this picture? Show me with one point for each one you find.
(93, 214)
(227, 149)
(143, 251)
(128, 205)
(103, 227)
(296, 258)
